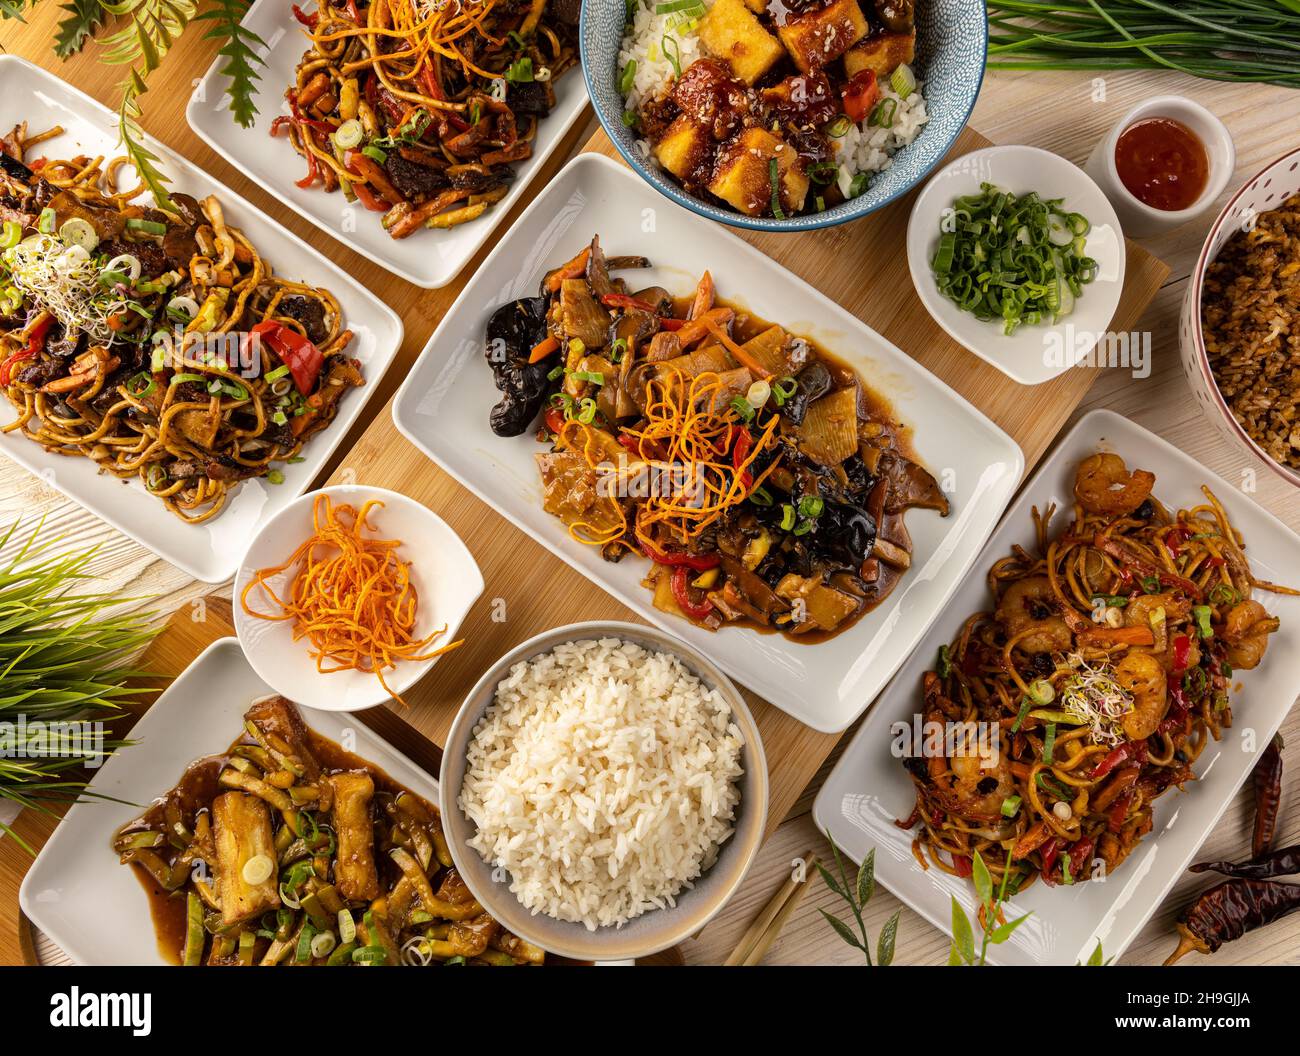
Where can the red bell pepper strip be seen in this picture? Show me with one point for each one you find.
(307, 20)
(682, 593)
(860, 95)
(296, 352)
(699, 562)
(623, 300)
(1129, 750)
(1081, 855)
(1119, 811)
(1047, 858)
(313, 172)
(1174, 539)
(963, 864)
(670, 324)
(1182, 654)
(554, 419)
(369, 199)
(35, 343)
(738, 454)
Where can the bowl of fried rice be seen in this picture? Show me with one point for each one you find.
(1240, 326)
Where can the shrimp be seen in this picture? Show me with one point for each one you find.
(1246, 629)
(1029, 608)
(1141, 675)
(976, 779)
(1138, 612)
(1103, 484)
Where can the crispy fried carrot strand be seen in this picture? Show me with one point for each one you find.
(350, 596)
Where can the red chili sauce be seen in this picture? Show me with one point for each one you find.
(1162, 163)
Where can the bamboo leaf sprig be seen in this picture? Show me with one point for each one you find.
(856, 895)
(962, 951)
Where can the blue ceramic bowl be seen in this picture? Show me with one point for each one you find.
(951, 47)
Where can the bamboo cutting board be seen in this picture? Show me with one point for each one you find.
(862, 266)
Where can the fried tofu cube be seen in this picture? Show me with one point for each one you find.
(743, 177)
(882, 54)
(818, 38)
(683, 146)
(355, 874)
(241, 826)
(732, 32)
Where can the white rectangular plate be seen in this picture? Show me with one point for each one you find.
(869, 788)
(427, 258)
(443, 408)
(208, 551)
(77, 892)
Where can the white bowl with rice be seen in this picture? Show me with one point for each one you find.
(604, 790)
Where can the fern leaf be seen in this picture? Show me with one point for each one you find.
(145, 161)
(240, 49)
(14, 8)
(75, 28)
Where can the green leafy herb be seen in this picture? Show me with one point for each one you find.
(239, 49)
(83, 18)
(991, 898)
(856, 896)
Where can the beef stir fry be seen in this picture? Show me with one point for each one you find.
(420, 111)
(790, 107)
(764, 479)
(288, 850)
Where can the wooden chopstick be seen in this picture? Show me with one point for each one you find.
(760, 934)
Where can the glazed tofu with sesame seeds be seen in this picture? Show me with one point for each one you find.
(743, 178)
(683, 147)
(818, 38)
(882, 53)
(731, 31)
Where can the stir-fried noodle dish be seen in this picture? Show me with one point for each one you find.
(1103, 672)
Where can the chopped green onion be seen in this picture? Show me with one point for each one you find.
(760, 496)
(555, 373)
(45, 222)
(741, 406)
(674, 54)
(1049, 743)
(883, 114)
(146, 227)
(587, 411)
(279, 418)
(596, 377)
(1202, 614)
(276, 374)
(859, 184)
(903, 81)
(1041, 692)
(275, 477)
(13, 234)
(629, 119)
(520, 71)
(178, 379)
(1025, 705)
(944, 665)
(78, 232)
(1010, 805)
(839, 128)
(349, 134)
(1067, 718)
(1222, 594)
(627, 78)
(787, 517)
(774, 178)
(140, 385)
(617, 350)
(374, 153)
(811, 506)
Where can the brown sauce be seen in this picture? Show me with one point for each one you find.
(196, 790)
(1162, 163)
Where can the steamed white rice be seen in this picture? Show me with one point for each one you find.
(863, 148)
(603, 779)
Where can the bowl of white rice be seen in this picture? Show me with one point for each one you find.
(633, 49)
(603, 790)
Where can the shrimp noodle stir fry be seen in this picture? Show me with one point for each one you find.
(419, 109)
(158, 343)
(1103, 672)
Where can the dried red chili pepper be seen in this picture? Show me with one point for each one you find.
(1282, 862)
(1229, 910)
(963, 864)
(1268, 795)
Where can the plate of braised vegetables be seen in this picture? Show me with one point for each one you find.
(272, 835)
(1122, 664)
(784, 494)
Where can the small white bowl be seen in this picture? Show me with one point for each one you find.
(1268, 190)
(1033, 354)
(1141, 220)
(442, 569)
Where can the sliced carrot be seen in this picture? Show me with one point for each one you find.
(572, 270)
(737, 351)
(542, 349)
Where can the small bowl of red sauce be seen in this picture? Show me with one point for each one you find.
(1163, 164)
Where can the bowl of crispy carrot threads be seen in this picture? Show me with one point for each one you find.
(350, 595)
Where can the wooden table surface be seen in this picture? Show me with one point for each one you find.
(1064, 112)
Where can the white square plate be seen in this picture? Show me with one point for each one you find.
(76, 891)
(208, 551)
(443, 408)
(869, 788)
(427, 258)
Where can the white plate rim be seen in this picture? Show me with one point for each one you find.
(323, 444)
(435, 278)
(792, 705)
(1095, 423)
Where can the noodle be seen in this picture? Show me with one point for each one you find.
(1103, 670)
(128, 339)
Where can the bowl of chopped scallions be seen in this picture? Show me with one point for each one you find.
(1019, 256)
